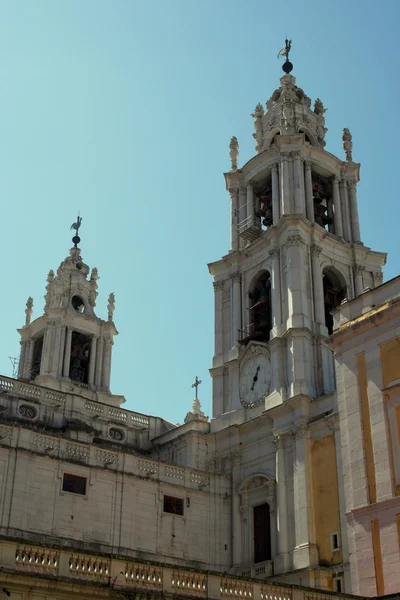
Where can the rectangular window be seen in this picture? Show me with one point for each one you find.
(338, 584)
(335, 543)
(173, 505)
(74, 484)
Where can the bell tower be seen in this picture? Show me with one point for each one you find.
(295, 254)
(68, 344)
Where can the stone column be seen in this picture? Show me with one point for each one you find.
(99, 362)
(345, 210)
(242, 212)
(218, 320)
(299, 204)
(318, 290)
(355, 222)
(107, 363)
(92, 362)
(61, 352)
(46, 352)
(305, 553)
(234, 194)
(276, 288)
(237, 307)
(282, 560)
(337, 209)
(29, 358)
(250, 203)
(22, 354)
(309, 192)
(275, 194)
(358, 279)
(67, 355)
(56, 350)
(285, 186)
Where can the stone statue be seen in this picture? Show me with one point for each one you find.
(234, 153)
(348, 144)
(111, 306)
(28, 311)
(47, 297)
(258, 125)
(319, 107)
(93, 287)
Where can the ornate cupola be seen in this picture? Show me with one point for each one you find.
(69, 345)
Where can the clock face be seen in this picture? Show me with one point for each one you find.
(255, 380)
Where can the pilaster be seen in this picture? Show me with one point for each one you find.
(282, 559)
(305, 553)
(275, 193)
(337, 209)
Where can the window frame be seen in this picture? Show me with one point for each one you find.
(74, 477)
(168, 501)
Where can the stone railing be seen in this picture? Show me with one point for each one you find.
(36, 393)
(92, 455)
(104, 573)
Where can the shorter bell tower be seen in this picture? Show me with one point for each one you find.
(69, 345)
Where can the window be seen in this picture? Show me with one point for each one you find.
(334, 293)
(335, 543)
(338, 584)
(262, 533)
(173, 505)
(74, 484)
(80, 357)
(260, 311)
(36, 358)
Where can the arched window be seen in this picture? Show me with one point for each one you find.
(260, 309)
(334, 293)
(36, 358)
(80, 357)
(322, 196)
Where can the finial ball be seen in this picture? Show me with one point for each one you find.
(287, 66)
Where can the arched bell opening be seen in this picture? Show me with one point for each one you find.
(260, 314)
(36, 357)
(323, 206)
(80, 357)
(263, 202)
(334, 288)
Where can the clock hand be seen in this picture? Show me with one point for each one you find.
(255, 378)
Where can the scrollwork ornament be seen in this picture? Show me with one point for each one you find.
(294, 240)
(315, 250)
(236, 277)
(218, 285)
(359, 269)
(300, 432)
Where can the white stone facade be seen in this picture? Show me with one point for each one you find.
(258, 491)
(366, 343)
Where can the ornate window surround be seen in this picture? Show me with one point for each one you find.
(257, 489)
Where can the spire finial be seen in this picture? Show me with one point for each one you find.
(76, 239)
(234, 153)
(28, 311)
(287, 65)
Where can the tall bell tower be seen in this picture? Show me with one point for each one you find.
(295, 254)
(69, 345)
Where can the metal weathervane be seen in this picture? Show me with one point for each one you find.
(287, 65)
(76, 239)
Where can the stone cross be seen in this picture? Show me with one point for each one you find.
(196, 384)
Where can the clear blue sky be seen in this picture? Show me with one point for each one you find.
(124, 110)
